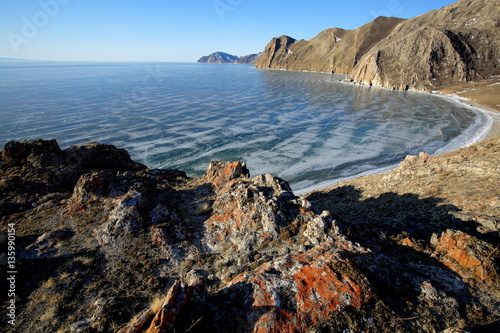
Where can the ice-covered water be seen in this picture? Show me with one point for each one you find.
(308, 128)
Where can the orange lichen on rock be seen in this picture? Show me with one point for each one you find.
(297, 291)
(465, 254)
(220, 173)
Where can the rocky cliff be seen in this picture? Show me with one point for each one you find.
(226, 58)
(104, 244)
(457, 43)
(333, 50)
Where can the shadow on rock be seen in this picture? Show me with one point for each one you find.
(425, 263)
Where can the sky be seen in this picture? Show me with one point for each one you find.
(177, 30)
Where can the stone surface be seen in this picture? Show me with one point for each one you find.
(466, 255)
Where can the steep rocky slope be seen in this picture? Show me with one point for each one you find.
(104, 244)
(457, 43)
(333, 50)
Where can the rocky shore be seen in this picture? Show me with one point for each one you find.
(104, 244)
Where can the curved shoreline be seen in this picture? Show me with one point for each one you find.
(489, 130)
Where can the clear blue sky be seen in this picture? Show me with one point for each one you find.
(176, 30)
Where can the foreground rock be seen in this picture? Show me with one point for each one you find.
(458, 43)
(104, 245)
(435, 217)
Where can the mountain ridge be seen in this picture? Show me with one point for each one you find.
(457, 43)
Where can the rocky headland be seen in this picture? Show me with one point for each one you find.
(226, 58)
(104, 244)
(456, 44)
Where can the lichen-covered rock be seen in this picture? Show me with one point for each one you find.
(219, 173)
(243, 217)
(124, 218)
(295, 292)
(466, 255)
(93, 246)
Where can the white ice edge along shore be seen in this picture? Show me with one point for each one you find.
(478, 131)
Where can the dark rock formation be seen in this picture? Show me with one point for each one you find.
(457, 43)
(225, 58)
(104, 244)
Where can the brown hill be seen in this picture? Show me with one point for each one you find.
(458, 43)
(333, 50)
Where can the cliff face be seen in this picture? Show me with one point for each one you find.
(333, 50)
(226, 58)
(457, 43)
(104, 244)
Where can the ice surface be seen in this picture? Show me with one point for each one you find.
(305, 127)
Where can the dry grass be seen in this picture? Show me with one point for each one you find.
(156, 302)
(84, 260)
(49, 314)
(155, 305)
(203, 208)
(48, 284)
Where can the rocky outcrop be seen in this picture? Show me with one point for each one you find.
(107, 246)
(431, 211)
(226, 58)
(458, 43)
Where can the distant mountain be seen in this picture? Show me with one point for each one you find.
(226, 58)
(249, 59)
(457, 43)
(219, 58)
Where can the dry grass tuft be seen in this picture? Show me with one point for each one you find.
(156, 303)
(49, 314)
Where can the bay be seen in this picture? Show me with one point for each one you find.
(308, 128)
